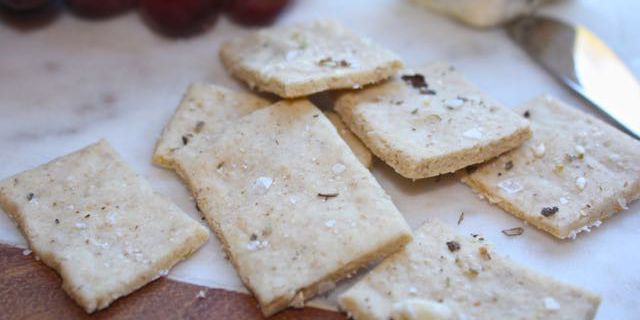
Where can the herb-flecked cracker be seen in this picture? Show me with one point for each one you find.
(204, 113)
(299, 60)
(98, 224)
(358, 148)
(430, 121)
(294, 208)
(574, 172)
(442, 275)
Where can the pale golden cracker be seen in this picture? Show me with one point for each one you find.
(430, 121)
(293, 206)
(574, 172)
(299, 60)
(447, 276)
(98, 224)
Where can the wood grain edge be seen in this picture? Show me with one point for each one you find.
(31, 290)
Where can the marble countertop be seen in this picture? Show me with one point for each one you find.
(74, 81)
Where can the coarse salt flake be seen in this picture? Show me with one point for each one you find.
(330, 223)
(263, 184)
(539, 150)
(338, 168)
(254, 245)
(454, 103)
(581, 183)
(551, 304)
(474, 133)
(510, 187)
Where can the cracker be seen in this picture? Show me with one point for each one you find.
(98, 224)
(575, 172)
(294, 208)
(430, 121)
(299, 60)
(362, 153)
(483, 13)
(442, 275)
(204, 112)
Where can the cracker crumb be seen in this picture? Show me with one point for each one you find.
(551, 304)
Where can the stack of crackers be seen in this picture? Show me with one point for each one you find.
(287, 190)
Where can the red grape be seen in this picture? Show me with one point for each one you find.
(255, 12)
(179, 17)
(23, 5)
(100, 8)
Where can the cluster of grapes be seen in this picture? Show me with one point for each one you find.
(173, 17)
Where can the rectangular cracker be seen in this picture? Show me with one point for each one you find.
(359, 149)
(98, 224)
(293, 206)
(299, 60)
(442, 275)
(483, 13)
(574, 172)
(203, 113)
(430, 121)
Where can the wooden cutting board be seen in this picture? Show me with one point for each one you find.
(31, 290)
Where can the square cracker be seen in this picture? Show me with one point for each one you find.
(299, 60)
(442, 275)
(575, 172)
(203, 114)
(430, 121)
(293, 206)
(359, 149)
(98, 224)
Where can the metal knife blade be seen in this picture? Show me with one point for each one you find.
(580, 60)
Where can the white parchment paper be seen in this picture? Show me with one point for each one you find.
(67, 84)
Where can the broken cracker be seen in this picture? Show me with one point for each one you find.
(430, 121)
(358, 148)
(98, 224)
(442, 275)
(294, 208)
(299, 60)
(203, 114)
(575, 171)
